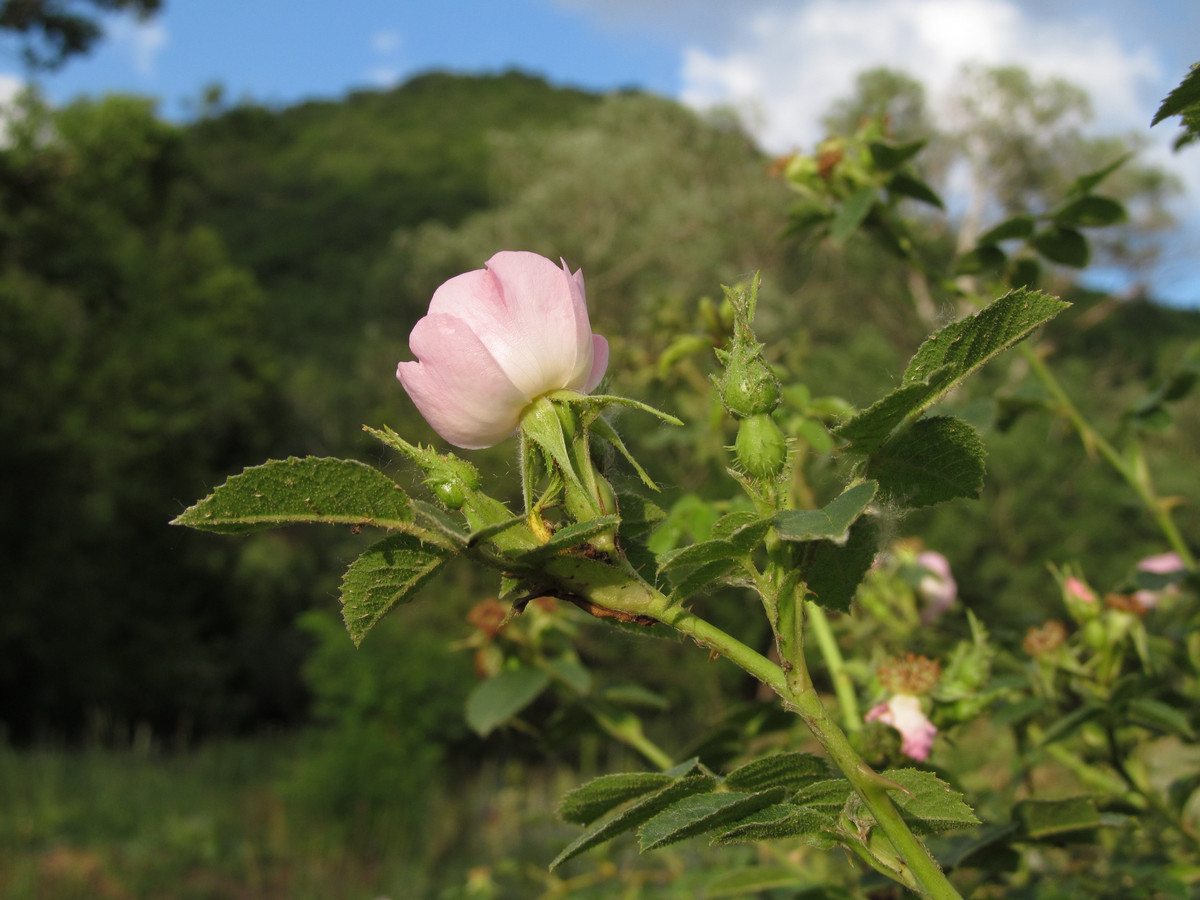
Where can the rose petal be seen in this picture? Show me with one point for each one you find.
(458, 386)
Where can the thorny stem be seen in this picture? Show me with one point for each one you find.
(797, 691)
(1138, 477)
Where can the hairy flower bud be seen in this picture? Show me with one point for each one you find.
(760, 446)
(748, 387)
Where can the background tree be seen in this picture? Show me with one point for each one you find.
(52, 31)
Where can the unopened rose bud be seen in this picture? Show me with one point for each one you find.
(496, 339)
(748, 386)
(760, 447)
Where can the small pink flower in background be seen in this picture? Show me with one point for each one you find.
(496, 339)
(1162, 563)
(903, 712)
(1078, 590)
(937, 588)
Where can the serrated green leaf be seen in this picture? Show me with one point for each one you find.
(1009, 229)
(1042, 819)
(851, 214)
(496, 700)
(296, 491)
(984, 258)
(834, 571)
(1091, 211)
(702, 814)
(702, 578)
(635, 815)
(1065, 246)
(934, 460)
(386, 575)
(871, 427)
(784, 820)
(930, 805)
(832, 521)
(1184, 97)
(830, 794)
(966, 345)
(699, 554)
(792, 770)
(891, 156)
(905, 185)
(587, 803)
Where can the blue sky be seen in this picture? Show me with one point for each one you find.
(779, 62)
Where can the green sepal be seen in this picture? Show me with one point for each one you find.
(480, 510)
(565, 539)
(386, 575)
(301, 491)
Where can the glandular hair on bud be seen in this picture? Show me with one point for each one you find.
(748, 386)
(760, 447)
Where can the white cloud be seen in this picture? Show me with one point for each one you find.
(143, 41)
(385, 42)
(384, 76)
(786, 65)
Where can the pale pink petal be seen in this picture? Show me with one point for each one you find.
(938, 589)
(495, 340)
(458, 386)
(599, 364)
(1162, 563)
(544, 342)
(1079, 590)
(903, 712)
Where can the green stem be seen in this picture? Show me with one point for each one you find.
(797, 691)
(1137, 477)
(843, 687)
(629, 732)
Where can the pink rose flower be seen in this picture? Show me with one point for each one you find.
(1077, 589)
(496, 339)
(937, 589)
(1162, 563)
(903, 712)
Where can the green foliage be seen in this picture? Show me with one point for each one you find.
(295, 491)
(1183, 101)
